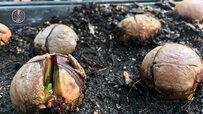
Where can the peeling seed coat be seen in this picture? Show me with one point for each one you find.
(25, 95)
(27, 87)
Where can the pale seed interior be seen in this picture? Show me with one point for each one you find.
(61, 81)
(48, 77)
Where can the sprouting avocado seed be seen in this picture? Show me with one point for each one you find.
(44, 81)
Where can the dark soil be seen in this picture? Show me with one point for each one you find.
(105, 59)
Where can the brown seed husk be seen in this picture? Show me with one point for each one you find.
(56, 38)
(147, 67)
(190, 8)
(139, 27)
(172, 70)
(5, 33)
(27, 87)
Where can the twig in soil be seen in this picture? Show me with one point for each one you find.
(186, 106)
(127, 98)
(89, 64)
(198, 40)
(99, 70)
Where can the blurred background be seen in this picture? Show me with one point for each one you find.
(41, 0)
(35, 0)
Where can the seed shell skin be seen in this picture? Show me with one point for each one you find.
(172, 70)
(27, 91)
